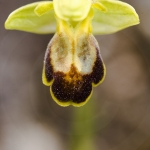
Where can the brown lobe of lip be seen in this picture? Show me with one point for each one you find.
(71, 86)
(48, 67)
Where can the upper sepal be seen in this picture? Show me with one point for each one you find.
(119, 15)
(72, 10)
(25, 19)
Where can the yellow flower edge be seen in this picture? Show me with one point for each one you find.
(70, 102)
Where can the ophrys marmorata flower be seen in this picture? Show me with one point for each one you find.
(72, 62)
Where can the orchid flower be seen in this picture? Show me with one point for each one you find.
(72, 62)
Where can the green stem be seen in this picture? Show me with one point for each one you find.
(82, 137)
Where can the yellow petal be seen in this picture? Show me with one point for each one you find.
(43, 8)
(99, 6)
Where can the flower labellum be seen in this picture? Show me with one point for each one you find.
(72, 62)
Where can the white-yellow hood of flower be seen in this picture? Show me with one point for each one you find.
(75, 10)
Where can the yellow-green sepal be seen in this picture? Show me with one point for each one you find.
(25, 19)
(43, 8)
(119, 15)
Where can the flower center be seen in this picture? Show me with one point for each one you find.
(74, 10)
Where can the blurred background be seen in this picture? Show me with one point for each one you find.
(116, 118)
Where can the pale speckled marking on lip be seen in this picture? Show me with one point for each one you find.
(61, 56)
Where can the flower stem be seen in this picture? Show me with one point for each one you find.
(82, 137)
